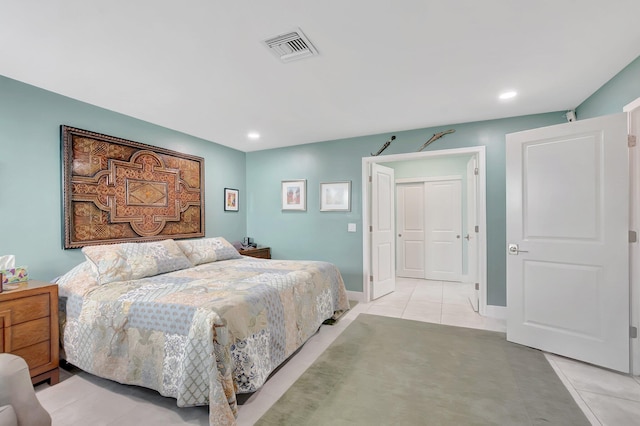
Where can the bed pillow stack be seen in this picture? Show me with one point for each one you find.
(207, 250)
(131, 261)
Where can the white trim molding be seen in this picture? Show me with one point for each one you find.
(358, 296)
(495, 311)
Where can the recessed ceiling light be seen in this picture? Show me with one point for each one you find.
(508, 95)
(253, 135)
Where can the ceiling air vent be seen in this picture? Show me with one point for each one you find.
(291, 46)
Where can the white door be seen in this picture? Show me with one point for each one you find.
(567, 237)
(443, 215)
(383, 230)
(471, 237)
(410, 241)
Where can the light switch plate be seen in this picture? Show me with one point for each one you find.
(351, 227)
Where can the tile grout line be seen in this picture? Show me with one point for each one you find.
(572, 389)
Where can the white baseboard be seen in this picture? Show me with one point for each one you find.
(494, 311)
(358, 296)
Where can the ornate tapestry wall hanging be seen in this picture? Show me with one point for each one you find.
(117, 190)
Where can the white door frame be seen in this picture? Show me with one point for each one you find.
(633, 121)
(479, 151)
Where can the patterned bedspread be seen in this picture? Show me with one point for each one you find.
(200, 334)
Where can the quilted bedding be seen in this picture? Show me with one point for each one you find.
(199, 334)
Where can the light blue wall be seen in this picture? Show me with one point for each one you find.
(614, 95)
(316, 235)
(30, 173)
(30, 178)
(323, 236)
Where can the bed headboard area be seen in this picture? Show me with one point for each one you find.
(116, 190)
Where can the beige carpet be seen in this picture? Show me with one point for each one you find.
(390, 371)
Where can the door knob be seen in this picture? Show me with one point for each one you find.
(399, 235)
(457, 236)
(467, 237)
(514, 250)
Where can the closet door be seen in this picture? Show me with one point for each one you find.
(443, 215)
(411, 226)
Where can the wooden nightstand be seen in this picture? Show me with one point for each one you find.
(29, 328)
(262, 252)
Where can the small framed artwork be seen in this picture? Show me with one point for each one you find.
(231, 199)
(335, 196)
(294, 195)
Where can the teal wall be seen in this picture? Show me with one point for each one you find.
(30, 178)
(316, 235)
(323, 236)
(30, 173)
(614, 95)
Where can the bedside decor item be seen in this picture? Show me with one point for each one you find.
(294, 194)
(116, 190)
(14, 275)
(231, 199)
(335, 196)
(248, 242)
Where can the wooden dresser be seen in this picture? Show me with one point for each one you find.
(262, 252)
(29, 328)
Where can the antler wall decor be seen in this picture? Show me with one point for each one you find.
(435, 137)
(385, 146)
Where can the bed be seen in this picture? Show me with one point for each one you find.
(192, 319)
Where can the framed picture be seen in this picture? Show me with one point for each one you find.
(335, 196)
(294, 195)
(231, 200)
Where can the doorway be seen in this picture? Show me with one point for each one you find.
(479, 232)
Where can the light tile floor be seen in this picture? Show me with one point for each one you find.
(606, 397)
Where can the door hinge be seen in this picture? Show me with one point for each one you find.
(477, 228)
(631, 140)
(476, 171)
(633, 237)
(370, 178)
(633, 332)
(370, 278)
(477, 286)
(370, 228)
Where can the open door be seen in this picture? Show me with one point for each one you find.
(567, 240)
(472, 235)
(383, 267)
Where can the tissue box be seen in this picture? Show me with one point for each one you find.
(14, 275)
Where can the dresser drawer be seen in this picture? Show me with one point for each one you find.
(25, 309)
(29, 333)
(29, 328)
(36, 355)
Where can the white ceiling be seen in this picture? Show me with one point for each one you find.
(199, 66)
